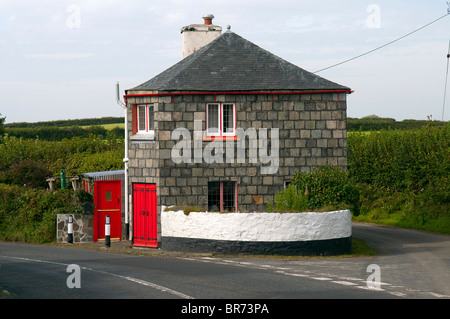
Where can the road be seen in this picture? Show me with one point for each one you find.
(413, 264)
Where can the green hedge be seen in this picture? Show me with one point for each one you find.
(29, 214)
(51, 133)
(403, 177)
(76, 155)
(374, 123)
(400, 160)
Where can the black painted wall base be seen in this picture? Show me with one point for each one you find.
(329, 247)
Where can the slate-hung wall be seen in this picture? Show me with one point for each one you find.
(312, 131)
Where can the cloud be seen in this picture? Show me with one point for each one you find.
(58, 55)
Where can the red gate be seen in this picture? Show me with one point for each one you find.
(144, 215)
(107, 196)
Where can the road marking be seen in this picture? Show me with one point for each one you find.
(369, 288)
(438, 295)
(342, 280)
(345, 283)
(321, 278)
(155, 286)
(132, 279)
(36, 260)
(291, 274)
(397, 293)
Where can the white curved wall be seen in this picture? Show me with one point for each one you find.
(264, 227)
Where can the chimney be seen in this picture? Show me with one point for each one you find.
(196, 36)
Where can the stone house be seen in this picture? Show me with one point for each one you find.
(226, 128)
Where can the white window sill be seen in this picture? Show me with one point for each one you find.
(150, 136)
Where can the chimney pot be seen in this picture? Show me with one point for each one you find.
(208, 18)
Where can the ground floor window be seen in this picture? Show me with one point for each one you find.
(222, 196)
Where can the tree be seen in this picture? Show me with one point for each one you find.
(2, 120)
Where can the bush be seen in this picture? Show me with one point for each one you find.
(291, 200)
(31, 174)
(326, 187)
(29, 214)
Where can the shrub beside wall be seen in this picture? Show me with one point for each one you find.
(29, 214)
(325, 188)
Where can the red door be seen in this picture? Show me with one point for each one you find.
(107, 196)
(144, 215)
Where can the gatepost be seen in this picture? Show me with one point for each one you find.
(107, 232)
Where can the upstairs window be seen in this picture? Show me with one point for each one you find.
(143, 119)
(228, 119)
(212, 120)
(220, 120)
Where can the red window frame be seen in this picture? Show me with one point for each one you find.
(221, 190)
(146, 118)
(135, 114)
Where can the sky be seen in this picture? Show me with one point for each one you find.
(62, 59)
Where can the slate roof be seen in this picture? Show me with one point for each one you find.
(232, 63)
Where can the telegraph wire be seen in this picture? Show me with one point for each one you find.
(384, 45)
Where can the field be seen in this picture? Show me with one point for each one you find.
(401, 173)
(59, 130)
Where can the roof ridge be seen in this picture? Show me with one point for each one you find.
(187, 61)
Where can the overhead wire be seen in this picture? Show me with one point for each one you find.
(384, 45)
(446, 77)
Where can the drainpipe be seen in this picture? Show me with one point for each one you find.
(125, 160)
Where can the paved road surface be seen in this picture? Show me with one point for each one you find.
(413, 264)
(418, 261)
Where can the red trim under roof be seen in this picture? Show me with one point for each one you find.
(235, 93)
